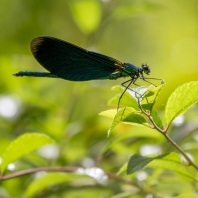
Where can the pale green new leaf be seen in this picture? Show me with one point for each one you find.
(146, 96)
(181, 99)
(23, 145)
(127, 99)
(109, 113)
(150, 97)
(128, 115)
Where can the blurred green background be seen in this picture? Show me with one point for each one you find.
(163, 34)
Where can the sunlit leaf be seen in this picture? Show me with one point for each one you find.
(150, 97)
(181, 99)
(146, 96)
(127, 100)
(22, 146)
(109, 113)
(128, 115)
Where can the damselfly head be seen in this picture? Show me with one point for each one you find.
(146, 69)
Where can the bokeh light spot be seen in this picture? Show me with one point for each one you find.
(8, 106)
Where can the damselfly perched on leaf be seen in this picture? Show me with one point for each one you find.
(70, 62)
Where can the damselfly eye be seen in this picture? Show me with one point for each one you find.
(146, 68)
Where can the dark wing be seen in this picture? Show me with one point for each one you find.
(71, 62)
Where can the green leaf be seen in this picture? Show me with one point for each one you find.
(181, 99)
(186, 195)
(46, 181)
(150, 97)
(109, 113)
(137, 162)
(128, 115)
(171, 161)
(146, 96)
(23, 145)
(157, 119)
(86, 14)
(127, 100)
(138, 93)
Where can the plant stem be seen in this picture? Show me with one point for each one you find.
(62, 169)
(191, 162)
(164, 133)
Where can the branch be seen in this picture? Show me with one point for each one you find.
(61, 169)
(164, 133)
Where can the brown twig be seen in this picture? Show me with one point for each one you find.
(60, 169)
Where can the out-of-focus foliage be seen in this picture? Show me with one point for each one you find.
(25, 144)
(163, 34)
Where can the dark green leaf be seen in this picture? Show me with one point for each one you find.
(137, 162)
(170, 161)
